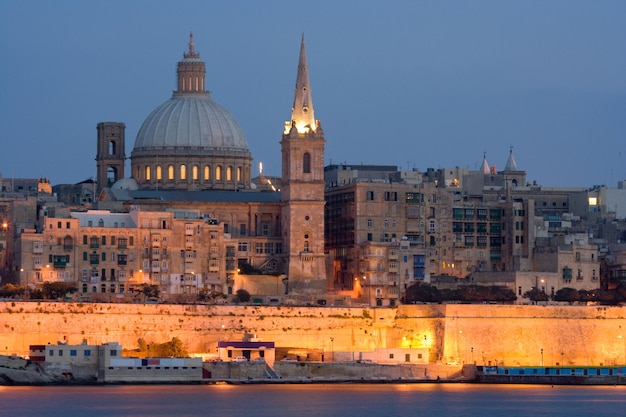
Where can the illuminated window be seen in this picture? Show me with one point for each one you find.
(147, 173)
(229, 173)
(159, 172)
(207, 172)
(218, 173)
(238, 173)
(170, 172)
(194, 173)
(183, 172)
(593, 201)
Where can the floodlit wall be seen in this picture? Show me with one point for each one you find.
(453, 333)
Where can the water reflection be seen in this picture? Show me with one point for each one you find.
(313, 400)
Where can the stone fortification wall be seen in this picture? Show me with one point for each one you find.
(535, 335)
(511, 335)
(327, 371)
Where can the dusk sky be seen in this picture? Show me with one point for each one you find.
(417, 84)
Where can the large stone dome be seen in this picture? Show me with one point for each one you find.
(190, 142)
(191, 122)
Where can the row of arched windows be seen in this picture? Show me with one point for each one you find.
(220, 174)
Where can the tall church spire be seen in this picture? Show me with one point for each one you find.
(302, 114)
(302, 191)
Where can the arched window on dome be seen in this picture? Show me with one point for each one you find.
(207, 172)
(238, 173)
(138, 173)
(306, 163)
(159, 172)
(218, 173)
(229, 173)
(170, 172)
(183, 172)
(147, 173)
(194, 173)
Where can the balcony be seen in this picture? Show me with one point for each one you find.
(59, 263)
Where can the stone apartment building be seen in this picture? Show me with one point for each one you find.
(113, 253)
(376, 231)
(572, 258)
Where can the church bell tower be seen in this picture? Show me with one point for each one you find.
(111, 157)
(302, 190)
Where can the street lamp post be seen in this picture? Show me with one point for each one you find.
(542, 357)
(367, 287)
(332, 349)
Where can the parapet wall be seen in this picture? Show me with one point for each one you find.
(453, 333)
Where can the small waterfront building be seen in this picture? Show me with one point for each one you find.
(252, 350)
(113, 368)
(104, 363)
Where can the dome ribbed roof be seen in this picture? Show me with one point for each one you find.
(191, 120)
